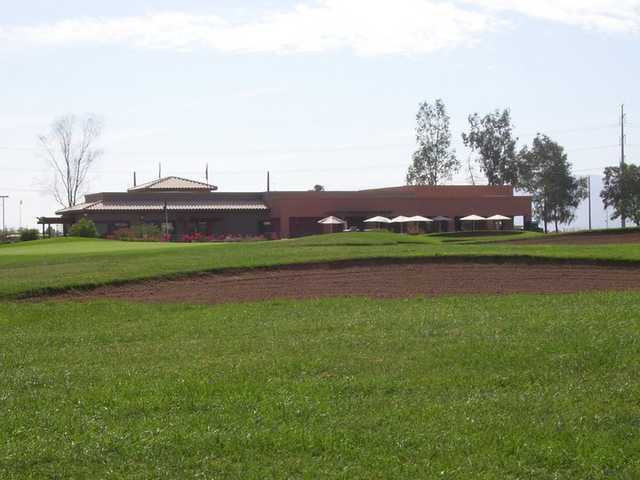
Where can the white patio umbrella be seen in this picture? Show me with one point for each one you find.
(420, 219)
(473, 219)
(331, 221)
(400, 219)
(378, 220)
(499, 219)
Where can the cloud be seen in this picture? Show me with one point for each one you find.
(168, 31)
(366, 27)
(602, 15)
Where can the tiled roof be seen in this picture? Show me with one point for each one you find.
(173, 184)
(221, 204)
(76, 208)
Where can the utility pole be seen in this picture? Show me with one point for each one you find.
(623, 220)
(268, 182)
(589, 197)
(4, 227)
(20, 215)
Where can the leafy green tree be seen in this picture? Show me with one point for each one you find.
(83, 228)
(433, 161)
(546, 174)
(491, 137)
(621, 191)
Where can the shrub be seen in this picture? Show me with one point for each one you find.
(197, 237)
(27, 234)
(144, 232)
(124, 233)
(83, 228)
(201, 237)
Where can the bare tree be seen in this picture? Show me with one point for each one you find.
(70, 151)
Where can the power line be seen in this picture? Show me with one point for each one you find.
(284, 172)
(278, 171)
(301, 170)
(575, 130)
(313, 149)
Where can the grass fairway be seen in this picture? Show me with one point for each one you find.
(63, 263)
(506, 387)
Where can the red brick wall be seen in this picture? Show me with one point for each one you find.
(460, 202)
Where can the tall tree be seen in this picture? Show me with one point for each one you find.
(546, 174)
(70, 151)
(491, 137)
(621, 191)
(433, 161)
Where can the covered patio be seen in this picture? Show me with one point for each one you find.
(49, 221)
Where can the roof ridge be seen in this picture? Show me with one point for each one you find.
(157, 184)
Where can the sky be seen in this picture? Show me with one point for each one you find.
(317, 92)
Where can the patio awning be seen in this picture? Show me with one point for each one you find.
(498, 217)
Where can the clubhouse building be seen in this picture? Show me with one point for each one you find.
(189, 206)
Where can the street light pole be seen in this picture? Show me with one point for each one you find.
(4, 228)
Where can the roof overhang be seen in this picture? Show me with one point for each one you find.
(51, 221)
(171, 205)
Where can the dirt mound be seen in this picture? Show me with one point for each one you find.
(372, 280)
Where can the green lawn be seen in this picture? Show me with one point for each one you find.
(511, 387)
(461, 387)
(63, 263)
